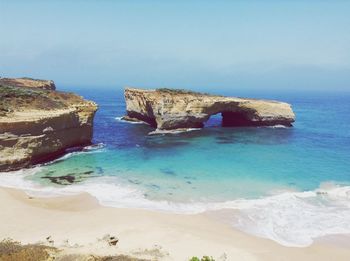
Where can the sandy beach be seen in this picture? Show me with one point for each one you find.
(77, 224)
(174, 130)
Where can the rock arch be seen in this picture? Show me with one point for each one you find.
(167, 109)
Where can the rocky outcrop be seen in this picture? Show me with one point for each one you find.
(38, 123)
(28, 82)
(168, 109)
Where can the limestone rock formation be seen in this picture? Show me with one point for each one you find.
(28, 82)
(38, 123)
(169, 109)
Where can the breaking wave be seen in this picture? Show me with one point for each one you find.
(289, 218)
(131, 122)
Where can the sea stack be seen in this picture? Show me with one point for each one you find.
(38, 123)
(170, 109)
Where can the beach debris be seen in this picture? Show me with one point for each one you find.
(111, 240)
(50, 240)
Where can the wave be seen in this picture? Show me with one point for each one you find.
(295, 218)
(131, 122)
(175, 131)
(289, 218)
(277, 126)
(94, 148)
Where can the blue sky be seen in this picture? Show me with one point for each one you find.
(184, 44)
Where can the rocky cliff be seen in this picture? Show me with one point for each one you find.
(38, 123)
(167, 109)
(28, 82)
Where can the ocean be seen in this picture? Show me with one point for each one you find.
(291, 185)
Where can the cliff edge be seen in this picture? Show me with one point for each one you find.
(38, 123)
(168, 109)
(28, 82)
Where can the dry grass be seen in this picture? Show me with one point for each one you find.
(182, 91)
(14, 98)
(11, 250)
(97, 258)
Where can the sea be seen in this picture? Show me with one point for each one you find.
(291, 185)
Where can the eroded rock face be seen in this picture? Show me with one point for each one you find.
(37, 124)
(167, 109)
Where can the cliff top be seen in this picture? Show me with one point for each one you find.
(28, 82)
(172, 91)
(192, 94)
(14, 98)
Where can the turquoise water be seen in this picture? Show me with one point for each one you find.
(219, 163)
(217, 168)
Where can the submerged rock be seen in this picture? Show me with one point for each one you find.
(168, 172)
(69, 178)
(168, 109)
(38, 123)
(61, 180)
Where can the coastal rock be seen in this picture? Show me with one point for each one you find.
(38, 124)
(28, 82)
(167, 109)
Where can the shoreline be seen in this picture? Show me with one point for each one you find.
(304, 212)
(82, 221)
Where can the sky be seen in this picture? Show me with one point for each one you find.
(247, 44)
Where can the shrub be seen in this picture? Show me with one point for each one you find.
(13, 250)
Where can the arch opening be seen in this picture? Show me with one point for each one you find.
(235, 119)
(228, 119)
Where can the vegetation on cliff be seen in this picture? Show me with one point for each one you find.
(12, 250)
(20, 98)
(28, 82)
(182, 91)
(14, 98)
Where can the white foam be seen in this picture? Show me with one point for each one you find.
(277, 126)
(289, 218)
(175, 131)
(131, 122)
(295, 219)
(95, 148)
(107, 190)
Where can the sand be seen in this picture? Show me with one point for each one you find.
(78, 223)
